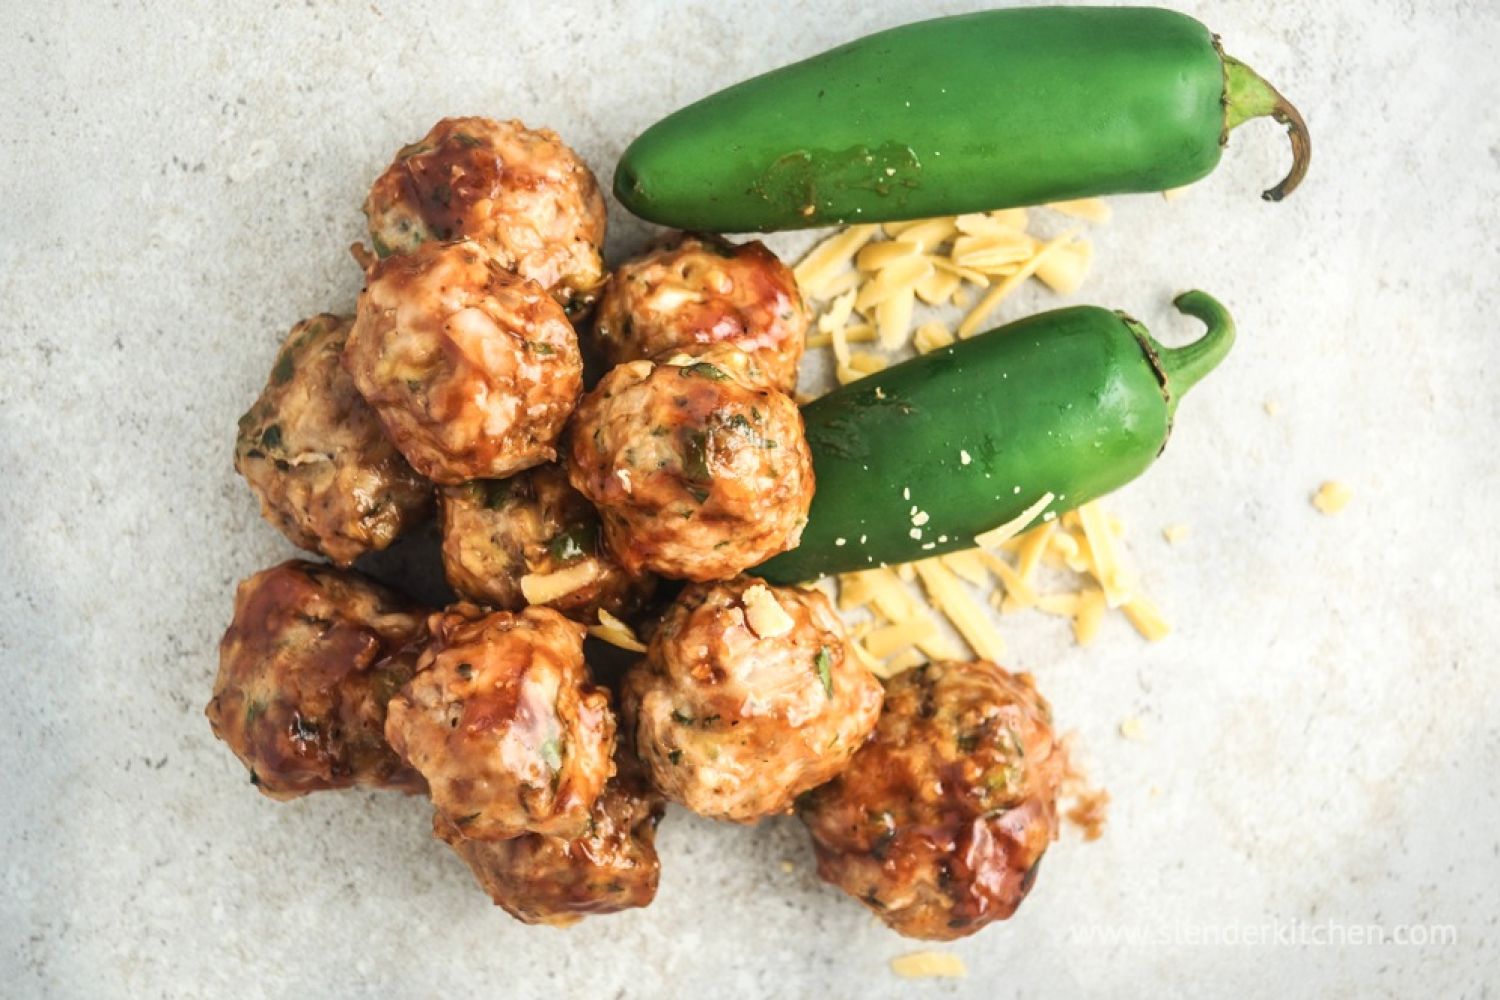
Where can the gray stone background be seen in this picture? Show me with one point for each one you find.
(179, 183)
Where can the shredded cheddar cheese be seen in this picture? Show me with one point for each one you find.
(1090, 614)
(540, 588)
(888, 640)
(1332, 497)
(829, 257)
(929, 965)
(996, 537)
(1088, 209)
(764, 614)
(615, 632)
(875, 285)
(966, 613)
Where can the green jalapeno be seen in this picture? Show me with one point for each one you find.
(981, 111)
(919, 459)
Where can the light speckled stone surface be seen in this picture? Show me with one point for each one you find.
(180, 183)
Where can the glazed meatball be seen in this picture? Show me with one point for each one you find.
(697, 471)
(549, 880)
(502, 721)
(520, 191)
(472, 370)
(305, 670)
(317, 458)
(533, 539)
(695, 291)
(940, 821)
(748, 696)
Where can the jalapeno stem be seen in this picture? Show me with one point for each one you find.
(1247, 96)
(1183, 367)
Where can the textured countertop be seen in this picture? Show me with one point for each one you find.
(1320, 747)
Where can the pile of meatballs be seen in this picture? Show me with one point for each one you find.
(458, 388)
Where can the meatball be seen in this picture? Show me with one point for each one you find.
(549, 880)
(695, 291)
(520, 191)
(473, 370)
(317, 458)
(306, 668)
(697, 471)
(533, 539)
(748, 696)
(940, 821)
(502, 721)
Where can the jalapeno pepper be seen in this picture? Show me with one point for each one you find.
(970, 113)
(917, 460)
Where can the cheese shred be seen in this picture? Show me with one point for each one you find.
(878, 285)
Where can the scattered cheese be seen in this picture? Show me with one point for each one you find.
(1090, 614)
(764, 614)
(930, 337)
(928, 234)
(897, 280)
(1065, 271)
(893, 318)
(875, 256)
(1017, 591)
(1063, 605)
(966, 614)
(872, 279)
(998, 292)
(836, 316)
(928, 965)
(854, 333)
(1016, 218)
(542, 588)
(938, 287)
(1332, 497)
(905, 661)
(1029, 552)
(866, 659)
(1132, 729)
(995, 537)
(844, 281)
(830, 256)
(1087, 209)
(1271, 407)
(1175, 533)
(891, 639)
(615, 632)
(968, 565)
(1106, 565)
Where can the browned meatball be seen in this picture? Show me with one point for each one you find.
(748, 696)
(533, 539)
(502, 721)
(305, 670)
(694, 291)
(473, 370)
(549, 880)
(317, 458)
(698, 473)
(940, 821)
(521, 191)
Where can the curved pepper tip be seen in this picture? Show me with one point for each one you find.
(1247, 95)
(1186, 366)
